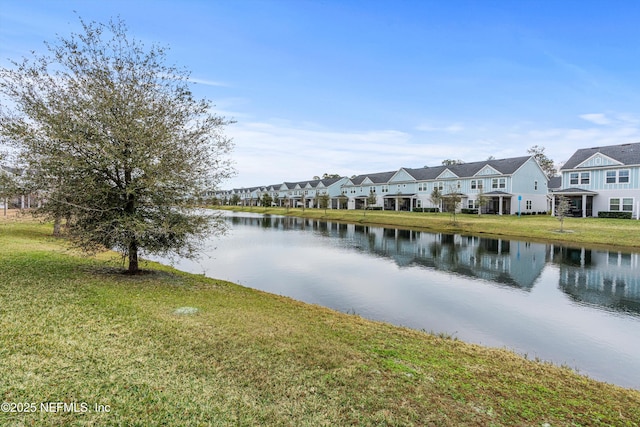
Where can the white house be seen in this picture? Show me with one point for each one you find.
(511, 186)
(602, 179)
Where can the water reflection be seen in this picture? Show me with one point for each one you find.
(603, 278)
(608, 279)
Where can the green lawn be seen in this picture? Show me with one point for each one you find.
(592, 231)
(75, 330)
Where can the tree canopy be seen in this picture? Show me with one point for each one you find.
(452, 162)
(117, 141)
(545, 163)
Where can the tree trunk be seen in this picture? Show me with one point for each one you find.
(133, 257)
(56, 226)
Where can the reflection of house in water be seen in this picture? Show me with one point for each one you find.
(605, 278)
(507, 262)
(502, 261)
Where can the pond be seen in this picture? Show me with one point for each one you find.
(577, 307)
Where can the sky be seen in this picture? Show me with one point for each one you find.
(362, 86)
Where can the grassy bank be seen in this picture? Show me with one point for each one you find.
(75, 330)
(594, 231)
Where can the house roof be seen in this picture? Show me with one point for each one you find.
(497, 193)
(574, 190)
(376, 178)
(627, 154)
(466, 170)
(555, 183)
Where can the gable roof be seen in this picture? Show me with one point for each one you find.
(330, 181)
(375, 178)
(467, 170)
(627, 154)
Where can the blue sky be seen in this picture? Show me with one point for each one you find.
(352, 87)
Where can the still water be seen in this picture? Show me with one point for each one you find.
(572, 306)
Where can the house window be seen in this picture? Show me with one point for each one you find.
(473, 185)
(585, 177)
(620, 177)
(458, 184)
(498, 183)
(623, 176)
(472, 204)
(614, 204)
(385, 189)
(418, 203)
(480, 184)
(535, 185)
(439, 186)
(573, 178)
(528, 205)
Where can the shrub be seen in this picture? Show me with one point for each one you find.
(427, 210)
(619, 215)
(469, 211)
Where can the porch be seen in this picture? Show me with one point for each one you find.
(399, 202)
(499, 203)
(580, 202)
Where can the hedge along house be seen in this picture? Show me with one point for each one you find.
(600, 180)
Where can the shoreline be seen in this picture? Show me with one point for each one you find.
(596, 233)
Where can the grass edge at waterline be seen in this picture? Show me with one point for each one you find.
(73, 329)
(605, 232)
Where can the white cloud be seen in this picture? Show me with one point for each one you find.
(597, 118)
(276, 151)
(268, 153)
(452, 128)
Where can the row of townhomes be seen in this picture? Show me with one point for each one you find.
(600, 179)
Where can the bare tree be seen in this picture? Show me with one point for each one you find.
(452, 201)
(562, 210)
(436, 197)
(482, 200)
(323, 201)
